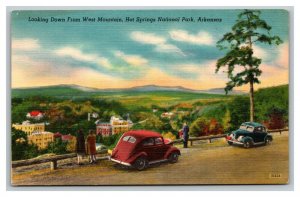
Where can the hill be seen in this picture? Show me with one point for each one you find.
(80, 91)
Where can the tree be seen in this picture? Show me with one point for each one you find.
(20, 148)
(248, 30)
(200, 127)
(57, 147)
(226, 120)
(276, 118)
(239, 113)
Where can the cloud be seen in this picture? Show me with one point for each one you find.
(26, 44)
(77, 54)
(159, 42)
(283, 57)
(202, 38)
(260, 52)
(134, 60)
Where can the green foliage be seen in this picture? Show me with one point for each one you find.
(57, 147)
(149, 121)
(111, 141)
(211, 115)
(239, 110)
(20, 148)
(199, 127)
(214, 111)
(226, 121)
(267, 99)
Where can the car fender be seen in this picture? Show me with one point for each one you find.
(247, 138)
(170, 150)
(135, 156)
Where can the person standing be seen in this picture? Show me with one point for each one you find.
(80, 146)
(185, 134)
(91, 146)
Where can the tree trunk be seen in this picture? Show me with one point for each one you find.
(251, 102)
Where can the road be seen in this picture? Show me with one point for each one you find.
(203, 163)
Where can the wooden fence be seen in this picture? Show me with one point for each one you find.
(53, 159)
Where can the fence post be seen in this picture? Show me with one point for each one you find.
(53, 165)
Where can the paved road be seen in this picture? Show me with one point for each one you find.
(215, 163)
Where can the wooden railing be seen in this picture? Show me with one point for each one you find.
(278, 130)
(53, 159)
(209, 138)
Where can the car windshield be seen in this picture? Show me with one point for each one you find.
(129, 139)
(247, 128)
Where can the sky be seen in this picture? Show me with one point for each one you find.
(128, 54)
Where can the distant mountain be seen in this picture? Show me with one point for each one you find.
(76, 90)
(222, 91)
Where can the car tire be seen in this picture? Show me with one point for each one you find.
(173, 157)
(247, 144)
(268, 141)
(229, 143)
(141, 163)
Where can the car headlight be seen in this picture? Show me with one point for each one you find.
(240, 138)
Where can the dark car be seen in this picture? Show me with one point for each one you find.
(250, 134)
(142, 148)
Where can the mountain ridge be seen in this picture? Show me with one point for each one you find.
(145, 88)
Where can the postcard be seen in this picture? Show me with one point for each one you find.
(149, 97)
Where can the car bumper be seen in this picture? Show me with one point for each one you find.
(119, 162)
(235, 142)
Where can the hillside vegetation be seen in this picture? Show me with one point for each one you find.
(207, 114)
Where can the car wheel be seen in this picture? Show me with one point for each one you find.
(141, 163)
(230, 143)
(173, 157)
(268, 141)
(247, 144)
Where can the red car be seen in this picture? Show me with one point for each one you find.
(142, 148)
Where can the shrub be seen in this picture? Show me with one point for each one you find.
(169, 135)
(199, 127)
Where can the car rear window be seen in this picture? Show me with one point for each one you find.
(129, 139)
(247, 128)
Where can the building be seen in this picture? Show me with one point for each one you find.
(119, 125)
(29, 128)
(167, 115)
(41, 138)
(37, 115)
(115, 126)
(104, 128)
(70, 139)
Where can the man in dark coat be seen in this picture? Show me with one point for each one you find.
(185, 133)
(80, 146)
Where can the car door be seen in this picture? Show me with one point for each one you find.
(260, 134)
(149, 148)
(159, 148)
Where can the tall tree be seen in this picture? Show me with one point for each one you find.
(248, 30)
